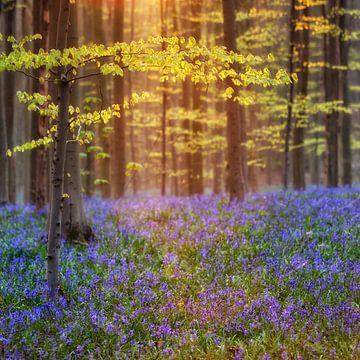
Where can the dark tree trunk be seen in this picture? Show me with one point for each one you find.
(346, 118)
(218, 157)
(186, 103)
(102, 166)
(59, 155)
(164, 106)
(117, 147)
(39, 186)
(253, 171)
(236, 183)
(331, 52)
(292, 39)
(133, 139)
(75, 227)
(174, 160)
(8, 94)
(4, 163)
(197, 177)
(299, 129)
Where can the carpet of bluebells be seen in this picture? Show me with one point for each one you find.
(277, 277)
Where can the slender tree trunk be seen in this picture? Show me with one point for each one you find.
(288, 127)
(164, 106)
(117, 147)
(133, 139)
(236, 183)
(331, 52)
(299, 129)
(8, 94)
(218, 158)
(186, 103)
(4, 160)
(346, 118)
(75, 227)
(197, 128)
(197, 157)
(59, 155)
(173, 123)
(4, 163)
(40, 155)
(99, 166)
(253, 170)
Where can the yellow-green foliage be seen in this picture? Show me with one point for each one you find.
(179, 59)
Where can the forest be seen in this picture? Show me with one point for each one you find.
(179, 179)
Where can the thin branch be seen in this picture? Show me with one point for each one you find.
(92, 74)
(34, 77)
(85, 76)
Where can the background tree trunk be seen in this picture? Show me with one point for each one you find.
(4, 160)
(346, 118)
(75, 227)
(331, 52)
(197, 176)
(299, 129)
(40, 155)
(9, 11)
(117, 146)
(236, 182)
(292, 39)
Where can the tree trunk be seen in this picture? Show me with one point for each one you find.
(101, 166)
(117, 146)
(8, 94)
(75, 227)
(186, 103)
(292, 40)
(346, 118)
(218, 158)
(164, 105)
(4, 163)
(299, 129)
(236, 183)
(59, 155)
(331, 52)
(40, 155)
(197, 177)
(253, 170)
(135, 177)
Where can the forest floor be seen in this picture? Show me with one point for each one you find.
(277, 277)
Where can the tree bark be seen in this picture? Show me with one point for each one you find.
(75, 227)
(186, 103)
(197, 177)
(117, 146)
(299, 129)
(40, 155)
(4, 160)
(346, 118)
(8, 94)
(59, 155)
(101, 166)
(253, 170)
(164, 106)
(133, 138)
(236, 182)
(292, 39)
(331, 52)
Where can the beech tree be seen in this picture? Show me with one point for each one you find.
(63, 65)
